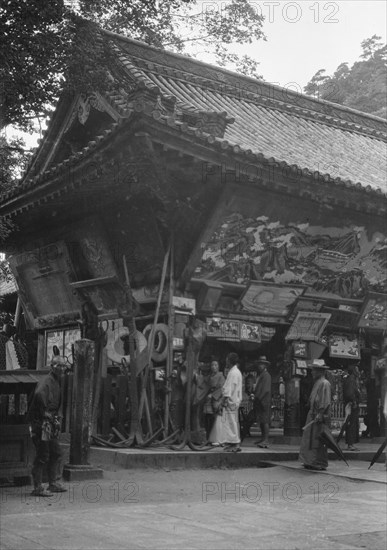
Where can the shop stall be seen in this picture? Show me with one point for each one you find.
(16, 390)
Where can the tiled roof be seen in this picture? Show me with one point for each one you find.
(22, 376)
(236, 114)
(270, 121)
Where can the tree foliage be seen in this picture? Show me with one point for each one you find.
(50, 44)
(12, 161)
(362, 86)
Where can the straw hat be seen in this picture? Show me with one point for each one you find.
(262, 360)
(318, 364)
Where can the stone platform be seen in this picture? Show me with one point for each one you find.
(164, 458)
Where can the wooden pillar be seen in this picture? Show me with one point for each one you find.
(384, 397)
(292, 420)
(383, 416)
(78, 468)
(82, 400)
(40, 358)
(292, 426)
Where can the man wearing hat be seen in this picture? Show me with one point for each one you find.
(313, 452)
(262, 400)
(45, 428)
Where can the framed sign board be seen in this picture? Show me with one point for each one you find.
(105, 293)
(344, 346)
(268, 299)
(300, 368)
(222, 328)
(44, 278)
(374, 312)
(186, 305)
(300, 349)
(251, 332)
(308, 326)
(343, 318)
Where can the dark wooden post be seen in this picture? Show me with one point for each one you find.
(292, 420)
(292, 428)
(78, 468)
(82, 400)
(384, 397)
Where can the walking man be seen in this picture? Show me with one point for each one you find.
(45, 427)
(262, 400)
(313, 452)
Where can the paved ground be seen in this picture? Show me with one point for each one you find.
(283, 507)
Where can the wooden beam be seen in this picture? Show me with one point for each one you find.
(94, 282)
(205, 235)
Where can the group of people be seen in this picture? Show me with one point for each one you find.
(220, 411)
(224, 399)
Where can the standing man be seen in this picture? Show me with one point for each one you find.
(201, 391)
(262, 400)
(214, 398)
(351, 394)
(232, 397)
(313, 452)
(45, 427)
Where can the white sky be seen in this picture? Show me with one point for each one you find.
(307, 35)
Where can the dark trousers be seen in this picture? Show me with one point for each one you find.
(209, 420)
(352, 430)
(48, 454)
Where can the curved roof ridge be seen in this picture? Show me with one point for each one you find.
(270, 86)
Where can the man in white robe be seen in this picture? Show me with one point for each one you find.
(225, 430)
(232, 397)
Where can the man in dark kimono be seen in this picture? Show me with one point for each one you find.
(45, 428)
(213, 401)
(313, 452)
(262, 400)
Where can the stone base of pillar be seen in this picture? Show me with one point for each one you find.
(81, 472)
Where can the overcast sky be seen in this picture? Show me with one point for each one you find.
(305, 36)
